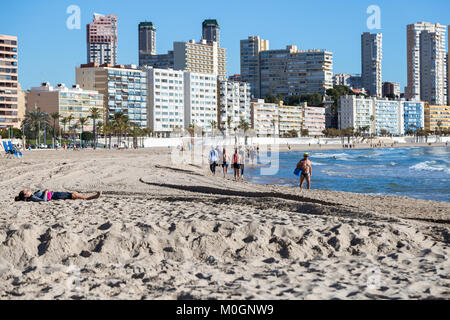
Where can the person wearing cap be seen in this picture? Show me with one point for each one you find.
(306, 171)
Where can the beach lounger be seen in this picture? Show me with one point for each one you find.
(7, 151)
(10, 150)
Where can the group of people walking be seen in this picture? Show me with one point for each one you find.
(235, 162)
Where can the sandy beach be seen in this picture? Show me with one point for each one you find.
(171, 231)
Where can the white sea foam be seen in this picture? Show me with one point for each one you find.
(316, 163)
(430, 166)
(339, 156)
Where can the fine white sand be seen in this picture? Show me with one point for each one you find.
(167, 231)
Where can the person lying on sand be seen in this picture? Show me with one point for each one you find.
(47, 195)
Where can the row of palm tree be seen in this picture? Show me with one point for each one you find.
(119, 125)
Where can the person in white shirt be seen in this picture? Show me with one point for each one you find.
(213, 159)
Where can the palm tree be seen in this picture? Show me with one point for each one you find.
(244, 125)
(273, 121)
(99, 128)
(70, 118)
(120, 120)
(95, 114)
(55, 117)
(439, 125)
(64, 122)
(108, 129)
(75, 127)
(33, 120)
(229, 119)
(82, 121)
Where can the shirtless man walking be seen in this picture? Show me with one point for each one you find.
(306, 171)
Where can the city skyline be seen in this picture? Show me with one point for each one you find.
(44, 60)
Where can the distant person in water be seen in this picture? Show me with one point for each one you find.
(306, 171)
(47, 195)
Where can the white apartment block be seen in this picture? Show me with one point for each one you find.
(290, 119)
(264, 117)
(356, 112)
(388, 116)
(426, 62)
(201, 57)
(200, 100)
(234, 102)
(313, 120)
(165, 101)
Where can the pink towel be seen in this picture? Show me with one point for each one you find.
(49, 196)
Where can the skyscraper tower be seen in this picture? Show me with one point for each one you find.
(250, 64)
(102, 39)
(147, 41)
(371, 63)
(426, 60)
(211, 31)
(9, 85)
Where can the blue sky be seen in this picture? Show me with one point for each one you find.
(48, 51)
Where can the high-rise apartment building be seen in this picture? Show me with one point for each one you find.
(9, 84)
(250, 64)
(426, 62)
(234, 104)
(102, 39)
(356, 112)
(205, 56)
(293, 72)
(200, 100)
(124, 89)
(165, 102)
(211, 31)
(147, 41)
(200, 57)
(371, 62)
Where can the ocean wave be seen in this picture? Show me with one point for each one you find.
(339, 156)
(430, 166)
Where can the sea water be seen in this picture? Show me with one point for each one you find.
(417, 172)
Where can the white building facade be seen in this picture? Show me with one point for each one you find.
(200, 100)
(388, 117)
(165, 102)
(234, 102)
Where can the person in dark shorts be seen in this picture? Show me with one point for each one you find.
(305, 166)
(236, 164)
(224, 162)
(47, 195)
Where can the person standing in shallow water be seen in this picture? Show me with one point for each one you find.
(306, 171)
